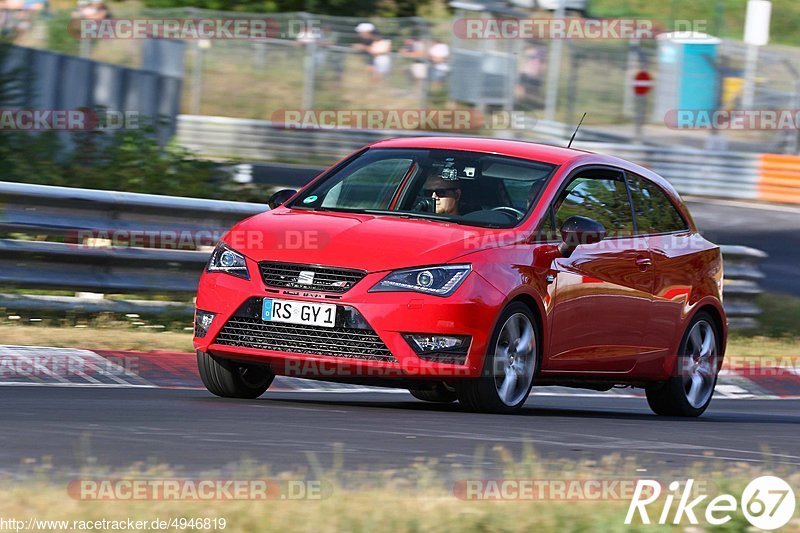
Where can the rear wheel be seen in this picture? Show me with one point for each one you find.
(439, 393)
(689, 392)
(230, 379)
(509, 367)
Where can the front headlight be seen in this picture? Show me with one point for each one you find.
(437, 280)
(224, 259)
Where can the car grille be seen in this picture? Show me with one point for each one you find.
(335, 342)
(291, 276)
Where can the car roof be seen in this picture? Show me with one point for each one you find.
(522, 149)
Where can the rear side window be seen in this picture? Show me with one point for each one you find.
(654, 211)
(601, 196)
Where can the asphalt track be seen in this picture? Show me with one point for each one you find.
(197, 433)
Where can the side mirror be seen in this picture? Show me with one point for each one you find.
(280, 197)
(579, 230)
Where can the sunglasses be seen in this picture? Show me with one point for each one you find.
(441, 193)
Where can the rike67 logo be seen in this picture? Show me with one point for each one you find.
(767, 502)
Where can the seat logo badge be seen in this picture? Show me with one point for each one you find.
(305, 277)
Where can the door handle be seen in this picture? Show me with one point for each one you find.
(643, 263)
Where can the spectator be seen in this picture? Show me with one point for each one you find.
(91, 10)
(18, 16)
(381, 51)
(366, 36)
(376, 49)
(415, 49)
(530, 78)
(439, 54)
(6, 21)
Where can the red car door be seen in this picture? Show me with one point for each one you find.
(675, 259)
(603, 291)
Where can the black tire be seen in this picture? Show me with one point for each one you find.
(229, 379)
(439, 393)
(481, 394)
(670, 398)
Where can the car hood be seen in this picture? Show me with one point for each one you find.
(367, 242)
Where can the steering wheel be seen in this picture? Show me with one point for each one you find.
(518, 215)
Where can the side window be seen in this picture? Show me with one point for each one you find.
(654, 210)
(601, 196)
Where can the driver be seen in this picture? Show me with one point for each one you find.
(446, 193)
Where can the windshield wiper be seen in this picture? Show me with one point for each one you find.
(406, 214)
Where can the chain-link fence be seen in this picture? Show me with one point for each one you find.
(293, 69)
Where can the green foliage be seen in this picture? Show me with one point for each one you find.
(58, 36)
(127, 160)
(124, 160)
(780, 316)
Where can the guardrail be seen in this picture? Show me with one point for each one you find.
(166, 241)
(171, 238)
(741, 285)
(737, 175)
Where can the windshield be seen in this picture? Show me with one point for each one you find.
(461, 187)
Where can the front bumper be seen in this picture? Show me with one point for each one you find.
(470, 311)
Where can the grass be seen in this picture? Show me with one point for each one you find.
(780, 315)
(120, 337)
(417, 498)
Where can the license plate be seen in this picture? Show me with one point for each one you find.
(294, 312)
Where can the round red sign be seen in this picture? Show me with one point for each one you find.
(642, 83)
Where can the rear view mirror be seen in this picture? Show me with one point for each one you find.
(579, 230)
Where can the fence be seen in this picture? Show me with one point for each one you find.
(254, 79)
(87, 221)
(748, 176)
(48, 80)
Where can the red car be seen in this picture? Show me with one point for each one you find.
(469, 269)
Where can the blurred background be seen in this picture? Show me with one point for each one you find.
(209, 122)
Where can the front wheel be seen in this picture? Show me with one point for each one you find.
(689, 392)
(509, 367)
(230, 379)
